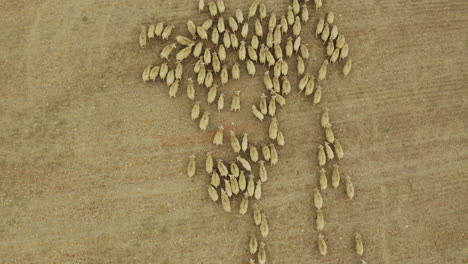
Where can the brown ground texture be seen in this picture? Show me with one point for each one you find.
(92, 159)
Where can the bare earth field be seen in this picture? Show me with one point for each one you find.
(92, 159)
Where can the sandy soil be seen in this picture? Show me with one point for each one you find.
(92, 159)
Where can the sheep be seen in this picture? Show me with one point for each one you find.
(185, 52)
(227, 187)
(209, 165)
(167, 32)
(338, 149)
(242, 181)
(325, 119)
(223, 171)
(257, 215)
(358, 244)
(213, 193)
(329, 135)
(264, 229)
(320, 220)
(244, 163)
(225, 202)
(262, 172)
(234, 184)
(318, 201)
(235, 144)
(257, 113)
(266, 152)
(219, 136)
(205, 119)
(215, 180)
(191, 167)
(335, 176)
(244, 205)
(273, 155)
(322, 158)
(253, 244)
(322, 245)
(245, 142)
(329, 151)
(195, 110)
(323, 180)
(253, 153)
(234, 169)
(251, 186)
(258, 190)
(143, 39)
(349, 188)
(261, 254)
(273, 128)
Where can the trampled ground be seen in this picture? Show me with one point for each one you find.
(92, 159)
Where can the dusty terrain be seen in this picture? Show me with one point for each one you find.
(92, 159)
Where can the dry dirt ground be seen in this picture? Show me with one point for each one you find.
(92, 159)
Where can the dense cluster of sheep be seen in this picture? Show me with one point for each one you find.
(262, 38)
